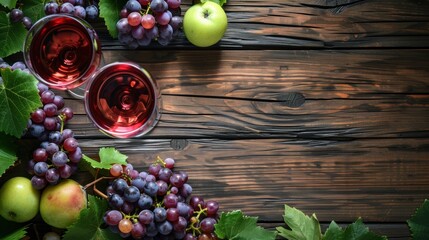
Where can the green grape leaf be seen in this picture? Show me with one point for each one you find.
(109, 11)
(236, 226)
(108, 157)
(11, 37)
(18, 97)
(7, 152)
(419, 222)
(12, 230)
(355, 231)
(9, 3)
(89, 224)
(302, 227)
(220, 2)
(34, 9)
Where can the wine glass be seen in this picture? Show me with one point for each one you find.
(62, 51)
(123, 100)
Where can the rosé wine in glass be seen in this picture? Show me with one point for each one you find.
(122, 100)
(62, 51)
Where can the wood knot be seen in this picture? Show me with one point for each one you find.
(292, 99)
(179, 144)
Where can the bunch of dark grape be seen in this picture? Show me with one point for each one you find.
(58, 153)
(157, 204)
(16, 15)
(76, 8)
(142, 21)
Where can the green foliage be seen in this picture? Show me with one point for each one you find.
(8, 3)
(220, 2)
(109, 11)
(108, 157)
(34, 9)
(302, 226)
(7, 152)
(11, 230)
(235, 226)
(419, 222)
(18, 97)
(88, 225)
(355, 231)
(12, 36)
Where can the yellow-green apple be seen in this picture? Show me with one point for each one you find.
(204, 24)
(60, 204)
(19, 201)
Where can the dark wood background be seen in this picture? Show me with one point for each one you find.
(321, 105)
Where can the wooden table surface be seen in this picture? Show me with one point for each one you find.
(321, 105)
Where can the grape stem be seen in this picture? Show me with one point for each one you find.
(93, 183)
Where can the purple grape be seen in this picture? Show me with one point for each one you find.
(52, 175)
(58, 101)
(40, 155)
(139, 183)
(165, 228)
(67, 7)
(40, 168)
(145, 201)
(67, 133)
(116, 201)
(146, 216)
(138, 32)
(27, 22)
(59, 159)
(112, 217)
(16, 15)
(119, 185)
(207, 225)
(51, 8)
(173, 3)
(65, 171)
(70, 144)
(36, 130)
(180, 225)
(75, 156)
(79, 12)
(170, 200)
(151, 189)
(160, 214)
(50, 109)
(138, 231)
(176, 22)
(163, 18)
(133, 6)
(91, 13)
(122, 26)
(38, 182)
(47, 97)
(18, 65)
(38, 116)
(55, 137)
(67, 113)
(131, 194)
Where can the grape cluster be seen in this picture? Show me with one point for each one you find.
(16, 15)
(145, 20)
(157, 204)
(59, 153)
(74, 7)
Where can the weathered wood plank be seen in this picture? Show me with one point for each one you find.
(378, 180)
(316, 24)
(236, 94)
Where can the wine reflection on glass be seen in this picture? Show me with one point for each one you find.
(62, 51)
(123, 100)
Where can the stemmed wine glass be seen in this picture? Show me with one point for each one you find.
(122, 99)
(62, 51)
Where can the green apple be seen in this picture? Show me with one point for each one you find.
(60, 204)
(19, 201)
(204, 24)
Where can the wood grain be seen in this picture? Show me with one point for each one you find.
(315, 24)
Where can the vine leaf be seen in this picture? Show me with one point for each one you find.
(419, 222)
(9, 3)
(89, 224)
(11, 37)
(110, 11)
(19, 97)
(235, 225)
(302, 227)
(7, 152)
(34, 9)
(108, 157)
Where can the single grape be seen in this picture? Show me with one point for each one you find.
(146, 216)
(125, 225)
(75, 156)
(40, 168)
(79, 11)
(148, 21)
(139, 183)
(162, 188)
(169, 163)
(186, 190)
(207, 225)
(157, 6)
(36, 130)
(124, 13)
(122, 26)
(65, 171)
(133, 6)
(134, 19)
(163, 41)
(51, 8)
(52, 148)
(59, 159)
(173, 3)
(73, 2)
(55, 137)
(58, 101)
(165, 228)
(18, 65)
(163, 18)
(38, 182)
(212, 208)
(160, 214)
(16, 15)
(125, 38)
(177, 180)
(145, 201)
(176, 22)
(116, 170)
(196, 202)
(189, 236)
(91, 13)
(127, 207)
(52, 175)
(67, 133)
(138, 32)
(138, 231)
(67, 113)
(67, 7)
(40, 155)
(151, 230)
(180, 225)
(166, 32)
(154, 169)
(50, 123)
(144, 2)
(50, 109)
(112, 217)
(145, 41)
(70, 144)
(119, 185)
(47, 97)
(170, 200)
(151, 189)
(131, 194)
(172, 214)
(116, 201)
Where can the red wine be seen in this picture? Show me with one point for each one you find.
(122, 100)
(62, 51)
